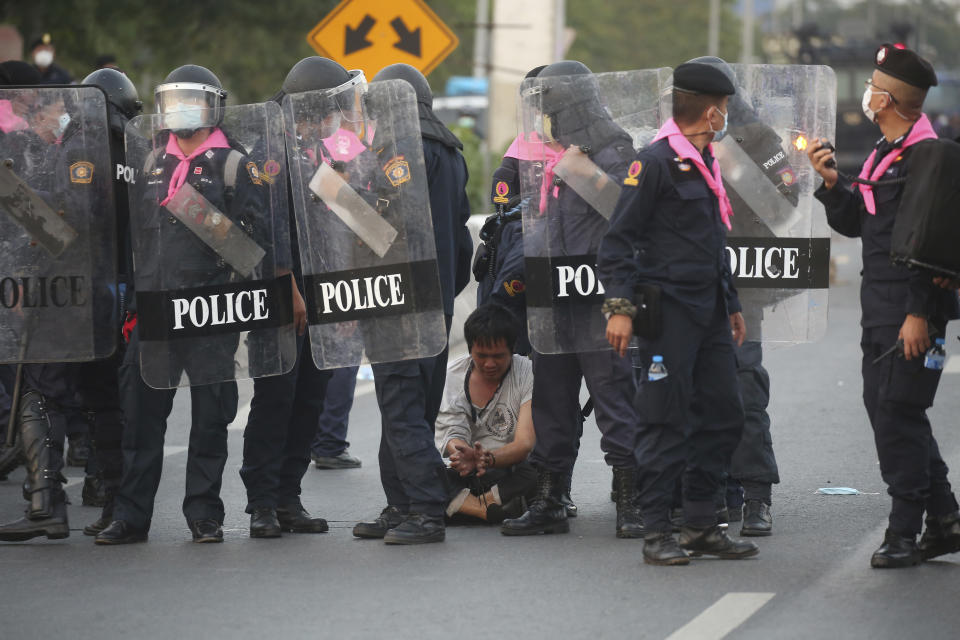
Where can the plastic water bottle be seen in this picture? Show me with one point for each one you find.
(657, 371)
(935, 356)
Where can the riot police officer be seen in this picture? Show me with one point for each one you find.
(668, 232)
(577, 127)
(286, 409)
(62, 159)
(192, 152)
(897, 304)
(98, 381)
(409, 392)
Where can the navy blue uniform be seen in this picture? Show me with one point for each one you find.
(284, 413)
(213, 406)
(896, 392)
(409, 392)
(557, 377)
(99, 381)
(667, 231)
(447, 180)
(505, 283)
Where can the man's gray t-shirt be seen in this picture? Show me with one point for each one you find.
(495, 424)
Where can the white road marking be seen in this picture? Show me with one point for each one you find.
(952, 365)
(722, 617)
(171, 451)
(72, 482)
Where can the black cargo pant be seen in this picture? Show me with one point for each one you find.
(690, 421)
(212, 408)
(897, 393)
(284, 414)
(556, 407)
(411, 470)
(98, 387)
(754, 464)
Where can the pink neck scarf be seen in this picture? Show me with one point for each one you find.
(547, 182)
(686, 151)
(344, 145)
(216, 140)
(9, 121)
(922, 130)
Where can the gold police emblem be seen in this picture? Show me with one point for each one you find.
(81, 172)
(397, 171)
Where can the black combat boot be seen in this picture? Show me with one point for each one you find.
(93, 493)
(660, 547)
(264, 523)
(389, 518)
(568, 504)
(713, 541)
(546, 513)
(53, 527)
(106, 517)
(941, 537)
(296, 519)
(417, 528)
(757, 520)
(896, 551)
(46, 514)
(629, 522)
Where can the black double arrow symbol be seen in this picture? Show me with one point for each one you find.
(356, 37)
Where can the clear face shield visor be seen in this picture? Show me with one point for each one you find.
(344, 106)
(532, 116)
(188, 106)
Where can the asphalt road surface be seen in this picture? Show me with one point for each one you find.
(811, 580)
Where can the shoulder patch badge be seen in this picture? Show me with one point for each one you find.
(397, 171)
(513, 287)
(786, 175)
(632, 172)
(81, 172)
(254, 173)
(502, 191)
(271, 169)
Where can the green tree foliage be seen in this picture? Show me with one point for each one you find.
(617, 35)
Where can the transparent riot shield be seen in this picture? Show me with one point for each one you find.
(779, 247)
(579, 135)
(211, 241)
(58, 256)
(362, 207)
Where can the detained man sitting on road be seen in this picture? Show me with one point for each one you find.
(485, 427)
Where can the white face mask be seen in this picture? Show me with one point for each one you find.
(865, 104)
(43, 59)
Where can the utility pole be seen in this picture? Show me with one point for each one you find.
(481, 40)
(746, 54)
(713, 35)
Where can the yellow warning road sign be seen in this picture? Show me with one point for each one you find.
(371, 34)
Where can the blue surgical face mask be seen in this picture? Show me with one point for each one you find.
(719, 135)
(181, 117)
(62, 123)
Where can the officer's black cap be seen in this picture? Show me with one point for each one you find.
(906, 65)
(697, 77)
